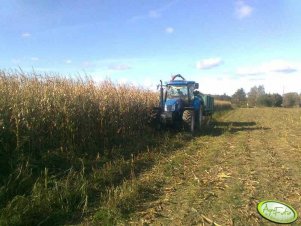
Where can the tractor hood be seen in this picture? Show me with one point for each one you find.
(172, 101)
(173, 104)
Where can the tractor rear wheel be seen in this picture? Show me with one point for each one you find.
(200, 120)
(189, 120)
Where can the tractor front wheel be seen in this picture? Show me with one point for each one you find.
(189, 120)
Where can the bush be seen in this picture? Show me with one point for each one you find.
(239, 98)
(269, 100)
(277, 100)
(265, 101)
(291, 100)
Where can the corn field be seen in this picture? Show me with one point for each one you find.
(221, 105)
(41, 113)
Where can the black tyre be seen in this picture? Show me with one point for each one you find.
(200, 122)
(209, 121)
(155, 119)
(189, 120)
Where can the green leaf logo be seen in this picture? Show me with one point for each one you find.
(277, 212)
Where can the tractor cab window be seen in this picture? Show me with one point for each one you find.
(177, 92)
(191, 89)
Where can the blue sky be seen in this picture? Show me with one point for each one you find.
(224, 45)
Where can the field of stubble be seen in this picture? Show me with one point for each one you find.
(248, 155)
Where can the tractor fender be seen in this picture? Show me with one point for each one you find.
(189, 108)
(197, 104)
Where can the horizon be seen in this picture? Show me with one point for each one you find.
(224, 46)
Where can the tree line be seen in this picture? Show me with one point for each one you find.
(257, 97)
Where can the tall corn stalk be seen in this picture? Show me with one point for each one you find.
(44, 114)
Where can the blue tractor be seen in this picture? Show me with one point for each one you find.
(182, 105)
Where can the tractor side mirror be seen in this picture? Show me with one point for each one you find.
(196, 85)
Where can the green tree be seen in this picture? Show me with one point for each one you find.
(264, 100)
(239, 98)
(291, 100)
(277, 100)
(254, 94)
(269, 100)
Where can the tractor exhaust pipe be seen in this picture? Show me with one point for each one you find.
(161, 95)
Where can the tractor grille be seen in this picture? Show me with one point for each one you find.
(169, 107)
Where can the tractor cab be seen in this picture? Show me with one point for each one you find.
(178, 94)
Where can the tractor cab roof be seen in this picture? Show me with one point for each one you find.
(183, 82)
(180, 83)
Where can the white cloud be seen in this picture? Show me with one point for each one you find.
(243, 10)
(277, 83)
(169, 30)
(209, 63)
(279, 66)
(219, 84)
(119, 67)
(248, 71)
(25, 35)
(68, 61)
(273, 83)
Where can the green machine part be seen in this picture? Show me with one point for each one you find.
(209, 104)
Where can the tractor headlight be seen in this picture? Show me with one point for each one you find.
(170, 107)
(173, 107)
